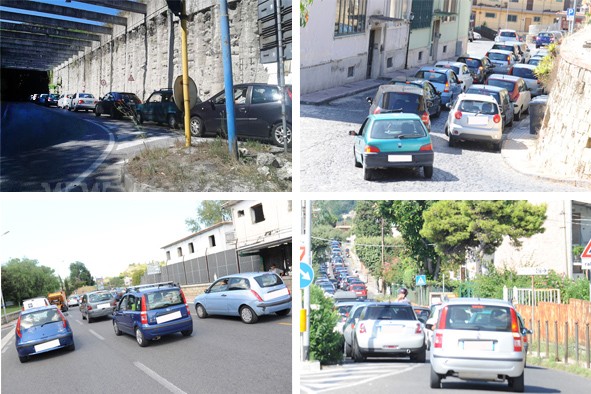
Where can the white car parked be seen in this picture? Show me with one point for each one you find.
(518, 91)
(462, 72)
(85, 101)
(389, 330)
(475, 117)
(526, 71)
(64, 101)
(507, 35)
(478, 339)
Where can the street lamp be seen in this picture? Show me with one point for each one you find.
(411, 16)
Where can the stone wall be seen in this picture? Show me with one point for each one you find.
(564, 146)
(146, 55)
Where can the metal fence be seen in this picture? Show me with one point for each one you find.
(528, 296)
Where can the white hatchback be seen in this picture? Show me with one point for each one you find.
(478, 339)
(389, 330)
(475, 117)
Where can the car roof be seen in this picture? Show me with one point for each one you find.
(476, 97)
(506, 30)
(505, 77)
(38, 309)
(521, 65)
(246, 274)
(435, 69)
(400, 89)
(487, 87)
(398, 116)
(502, 51)
(477, 301)
(449, 63)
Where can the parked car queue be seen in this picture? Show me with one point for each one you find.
(484, 96)
(258, 110)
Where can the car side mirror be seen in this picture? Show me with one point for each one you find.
(353, 133)
(369, 100)
(448, 105)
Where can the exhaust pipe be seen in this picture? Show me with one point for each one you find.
(407, 351)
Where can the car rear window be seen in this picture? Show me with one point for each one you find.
(545, 35)
(163, 299)
(508, 34)
(525, 73)
(85, 95)
(509, 48)
(38, 318)
(432, 76)
(389, 312)
(401, 102)
(99, 297)
(495, 95)
(268, 280)
(470, 62)
(474, 106)
(497, 56)
(509, 85)
(478, 317)
(397, 129)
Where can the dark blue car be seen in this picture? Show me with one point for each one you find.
(445, 81)
(151, 311)
(40, 330)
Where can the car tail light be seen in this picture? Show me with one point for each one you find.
(377, 110)
(508, 59)
(256, 295)
(425, 118)
(428, 147)
(362, 329)
(80, 101)
(418, 330)
(185, 302)
(497, 118)
(458, 115)
(517, 339)
(288, 93)
(442, 317)
(18, 328)
(438, 340)
(446, 90)
(63, 317)
(89, 307)
(516, 97)
(371, 149)
(144, 311)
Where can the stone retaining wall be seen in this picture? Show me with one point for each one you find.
(564, 146)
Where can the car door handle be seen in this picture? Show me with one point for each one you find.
(224, 295)
(242, 110)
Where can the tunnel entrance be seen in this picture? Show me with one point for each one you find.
(19, 84)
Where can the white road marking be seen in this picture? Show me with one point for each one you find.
(130, 144)
(171, 387)
(96, 335)
(78, 321)
(97, 162)
(7, 341)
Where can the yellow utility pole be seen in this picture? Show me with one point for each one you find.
(185, 64)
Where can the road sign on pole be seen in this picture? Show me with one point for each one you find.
(306, 275)
(532, 271)
(586, 257)
(421, 280)
(570, 14)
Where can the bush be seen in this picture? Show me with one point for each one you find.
(326, 345)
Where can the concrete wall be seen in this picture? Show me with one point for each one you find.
(201, 244)
(564, 145)
(276, 226)
(139, 57)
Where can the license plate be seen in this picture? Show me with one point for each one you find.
(399, 158)
(276, 294)
(392, 329)
(168, 317)
(103, 306)
(478, 345)
(478, 120)
(47, 345)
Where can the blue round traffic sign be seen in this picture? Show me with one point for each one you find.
(306, 275)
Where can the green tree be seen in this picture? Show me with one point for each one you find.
(367, 221)
(459, 228)
(304, 13)
(25, 278)
(136, 276)
(80, 275)
(209, 212)
(326, 345)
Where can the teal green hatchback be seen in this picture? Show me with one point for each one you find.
(393, 140)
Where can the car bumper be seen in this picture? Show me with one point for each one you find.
(475, 134)
(383, 160)
(100, 312)
(445, 98)
(389, 344)
(83, 106)
(28, 348)
(153, 331)
(477, 367)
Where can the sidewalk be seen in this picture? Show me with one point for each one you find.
(518, 148)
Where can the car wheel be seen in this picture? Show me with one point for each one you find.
(517, 116)
(497, 146)
(438, 113)
(356, 353)
(23, 359)
(435, 380)
(196, 126)
(83, 317)
(277, 134)
(139, 337)
(89, 319)
(357, 164)
(517, 384)
(172, 122)
(187, 333)
(510, 124)
(367, 175)
(247, 315)
(68, 108)
(428, 171)
(347, 350)
(116, 329)
(452, 141)
(419, 357)
(97, 112)
(201, 312)
(283, 312)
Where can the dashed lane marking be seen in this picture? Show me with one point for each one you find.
(169, 386)
(96, 335)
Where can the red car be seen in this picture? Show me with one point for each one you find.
(359, 289)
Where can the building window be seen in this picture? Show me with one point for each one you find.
(490, 15)
(450, 6)
(240, 213)
(212, 240)
(389, 62)
(179, 251)
(511, 18)
(423, 12)
(168, 255)
(257, 213)
(444, 48)
(350, 18)
(537, 18)
(420, 56)
(350, 72)
(191, 248)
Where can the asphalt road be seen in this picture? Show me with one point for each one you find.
(50, 149)
(223, 355)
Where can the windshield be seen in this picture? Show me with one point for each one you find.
(39, 318)
(268, 280)
(509, 85)
(389, 312)
(496, 95)
(478, 317)
(397, 129)
(472, 63)
(163, 298)
(481, 107)
(401, 102)
(525, 73)
(508, 34)
(432, 76)
(99, 297)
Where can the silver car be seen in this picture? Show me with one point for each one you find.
(501, 60)
(97, 304)
(85, 101)
(526, 71)
(478, 339)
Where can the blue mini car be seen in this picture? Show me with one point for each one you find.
(445, 81)
(392, 140)
(151, 311)
(248, 295)
(40, 330)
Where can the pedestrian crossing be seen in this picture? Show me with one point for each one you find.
(343, 377)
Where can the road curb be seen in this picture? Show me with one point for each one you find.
(130, 184)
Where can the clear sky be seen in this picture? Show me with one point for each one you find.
(106, 233)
